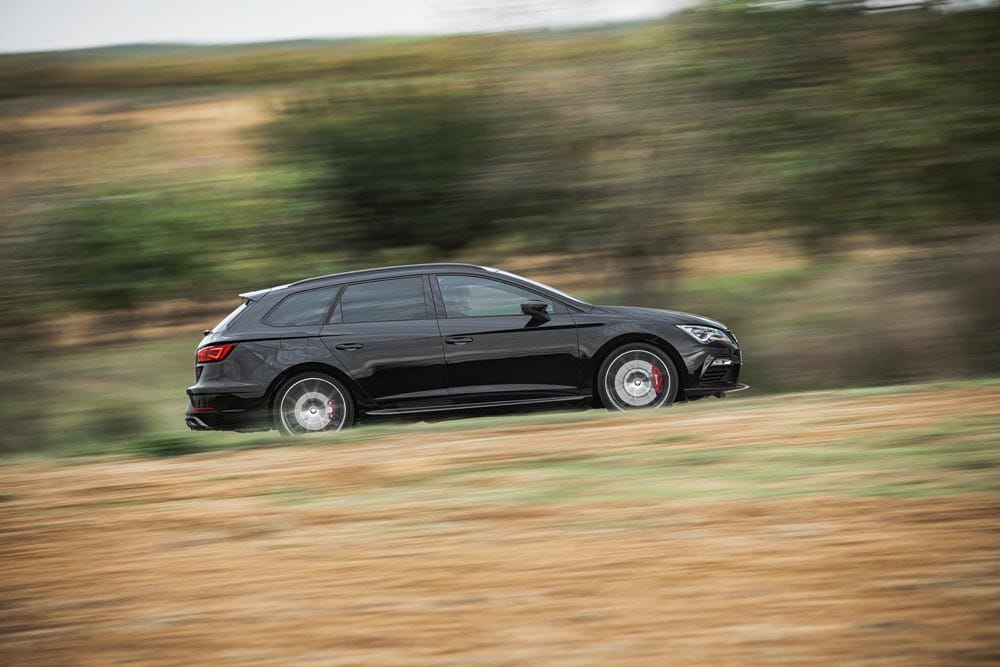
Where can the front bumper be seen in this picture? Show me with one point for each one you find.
(717, 375)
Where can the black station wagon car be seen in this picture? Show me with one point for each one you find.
(322, 353)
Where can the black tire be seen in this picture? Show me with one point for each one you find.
(636, 376)
(312, 403)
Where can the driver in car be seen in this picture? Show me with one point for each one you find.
(458, 301)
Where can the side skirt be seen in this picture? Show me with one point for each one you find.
(459, 407)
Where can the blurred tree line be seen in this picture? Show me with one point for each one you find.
(821, 122)
(838, 125)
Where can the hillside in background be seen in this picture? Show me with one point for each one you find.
(822, 181)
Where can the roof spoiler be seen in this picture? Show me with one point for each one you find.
(256, 294)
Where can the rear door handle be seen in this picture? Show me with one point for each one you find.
(458, 340)
(348, 346)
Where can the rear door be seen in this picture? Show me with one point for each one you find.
(383, 333)
(494, 352)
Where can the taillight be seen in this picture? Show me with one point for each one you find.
(215, 352)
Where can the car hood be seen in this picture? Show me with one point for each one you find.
(655, 314)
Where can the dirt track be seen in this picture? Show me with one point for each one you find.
(418, 549)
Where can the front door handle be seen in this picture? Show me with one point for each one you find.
(458, 340)
(348, 346)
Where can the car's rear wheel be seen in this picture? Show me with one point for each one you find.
(637, 375)
(312, 403)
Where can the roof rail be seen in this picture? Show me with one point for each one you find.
(400, 268)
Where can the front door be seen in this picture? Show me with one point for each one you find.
(494, 352)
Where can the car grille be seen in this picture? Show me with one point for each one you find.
(722, 374)
(715, 373)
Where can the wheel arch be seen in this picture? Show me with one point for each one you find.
(650, 339)
(356, 394)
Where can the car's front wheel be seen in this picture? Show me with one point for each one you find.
(312, 403)
(635, 376)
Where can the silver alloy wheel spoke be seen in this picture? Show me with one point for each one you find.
(312, 405)
(637, 379)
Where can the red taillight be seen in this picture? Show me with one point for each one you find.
(215, 352)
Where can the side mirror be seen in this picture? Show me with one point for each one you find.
(536, 310)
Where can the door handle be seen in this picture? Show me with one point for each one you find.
(348, 346)
(458, 340)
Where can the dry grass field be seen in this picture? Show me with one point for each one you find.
(855, 528)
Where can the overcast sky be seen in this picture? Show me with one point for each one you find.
(34, 25)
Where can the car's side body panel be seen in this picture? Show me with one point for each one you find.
(509, 357)
(396, 364)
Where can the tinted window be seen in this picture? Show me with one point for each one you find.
(465, 296)
(230, 318)
(384, 301)
(302, 308)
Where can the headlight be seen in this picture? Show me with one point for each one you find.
(705, 334)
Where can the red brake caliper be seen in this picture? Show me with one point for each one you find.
(331, 409)
(657, 380)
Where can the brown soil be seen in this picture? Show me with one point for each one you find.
(91, 144)
(304, 554)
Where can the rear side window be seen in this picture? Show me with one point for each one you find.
(302, 308)
(230, 318)
(384, 301)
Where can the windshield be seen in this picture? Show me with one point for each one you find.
(566, 296)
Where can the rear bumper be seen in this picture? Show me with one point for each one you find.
(225, 412)
(196, 423)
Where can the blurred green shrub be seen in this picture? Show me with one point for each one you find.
(437, 168)
(109, 422)
(400, 170)
(115, 252)
(25, 427)
(973, 277)
(166, 444)
(843, 122)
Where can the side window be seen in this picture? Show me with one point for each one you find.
(302, 308)
(230, 318)
(384, 301)
(466, 296)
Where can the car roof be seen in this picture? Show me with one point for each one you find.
(386, 271)
(409, 269)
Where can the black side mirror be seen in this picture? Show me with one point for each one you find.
(536, 310)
